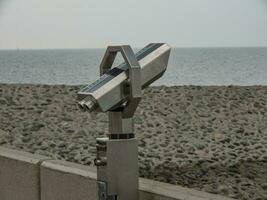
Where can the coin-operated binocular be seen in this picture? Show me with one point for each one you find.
(118, 92)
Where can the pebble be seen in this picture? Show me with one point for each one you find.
(2, 141)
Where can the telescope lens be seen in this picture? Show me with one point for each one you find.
(86, 105)
(89, 105)
(81, 106)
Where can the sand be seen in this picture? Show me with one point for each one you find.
(208, 138)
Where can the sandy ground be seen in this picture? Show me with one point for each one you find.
(208, 138)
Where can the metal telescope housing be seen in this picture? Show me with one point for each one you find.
(118, 91)
(109, 91)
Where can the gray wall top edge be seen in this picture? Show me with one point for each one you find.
(70, 168)
(175, 191)
(21, 156)
(145, 185)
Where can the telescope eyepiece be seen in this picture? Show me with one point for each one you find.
(86, 105)
(89, 105)
(80, 105)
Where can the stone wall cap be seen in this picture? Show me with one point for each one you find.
(176, 192)
(21, 156)
(70, 168)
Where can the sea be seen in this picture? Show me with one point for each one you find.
(187, 66)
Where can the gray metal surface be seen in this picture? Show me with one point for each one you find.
(120, 125)
(134, 75)
(108, 92)
(118, 175)
(122, 168)
(119, 91)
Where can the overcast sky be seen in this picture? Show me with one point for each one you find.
(97, 23)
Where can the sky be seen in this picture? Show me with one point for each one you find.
(42, 24)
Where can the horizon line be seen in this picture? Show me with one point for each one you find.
(85, 48)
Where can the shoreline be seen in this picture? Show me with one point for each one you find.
(188, 135)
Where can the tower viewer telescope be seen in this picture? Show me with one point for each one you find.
(110, 90)
(118, 92)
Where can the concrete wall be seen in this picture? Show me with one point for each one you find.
(19, 175)
(65, 181)
(26, 176)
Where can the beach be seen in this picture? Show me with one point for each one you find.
(210, 138)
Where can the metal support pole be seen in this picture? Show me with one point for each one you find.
(117, 155)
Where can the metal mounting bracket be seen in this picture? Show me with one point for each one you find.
(134, 75)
